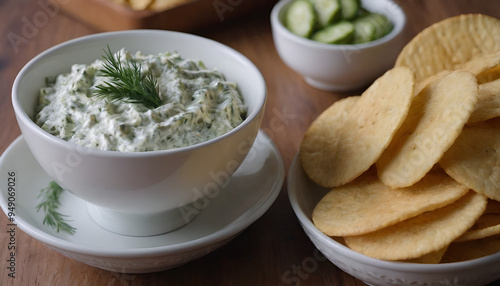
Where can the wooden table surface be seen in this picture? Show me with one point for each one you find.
(272, 251)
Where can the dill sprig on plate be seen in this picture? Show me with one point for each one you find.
(50, 203)
(127, 83)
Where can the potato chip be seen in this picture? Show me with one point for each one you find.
(422, 234)
(337, 149)
(434, 190)
(140, 4)
(488, 105)
(429, 258)
(425, 82)
(367, 205)
(474, 158)
(462, 251)
(321, 141)
(448, 44)
(489, 75)
(481, 65)
(436, 117)
(487, 225)
(484, 67)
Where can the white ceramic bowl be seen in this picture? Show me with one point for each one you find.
(340, 67)
(147, 190)
(250, 193)
(304, 195)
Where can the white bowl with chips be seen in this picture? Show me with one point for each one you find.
(304, 195)
(140, 193)
(339, 67)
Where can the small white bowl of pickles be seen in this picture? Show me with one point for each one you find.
(338, 45)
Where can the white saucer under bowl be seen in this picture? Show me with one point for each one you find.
(223, 214)
(304, 194)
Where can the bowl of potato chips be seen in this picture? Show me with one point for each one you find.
(337, 52)
(401, 184)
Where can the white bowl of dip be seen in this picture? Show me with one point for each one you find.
(140, 193)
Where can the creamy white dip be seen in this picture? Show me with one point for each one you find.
(198, 105)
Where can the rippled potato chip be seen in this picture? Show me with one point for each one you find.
(489, 75)
(436, 118)
(488, 105)
(474, 158)
(337, 149)
(367, 205)
(423, 234)
(425, 82)
(484, 67)
(450, 43)
(486, 226)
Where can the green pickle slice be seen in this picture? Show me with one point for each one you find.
(370, 27)
(363, 32)
(338, 33)
(326, 10)
(336, 21)
(383, 26)
(301, 18)
(349, 8)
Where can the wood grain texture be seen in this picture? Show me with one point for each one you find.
(274, 249)
(106, 15)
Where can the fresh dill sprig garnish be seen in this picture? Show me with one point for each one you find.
(50, 203)
(127, 82)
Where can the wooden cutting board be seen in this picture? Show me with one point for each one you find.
(106, 15)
